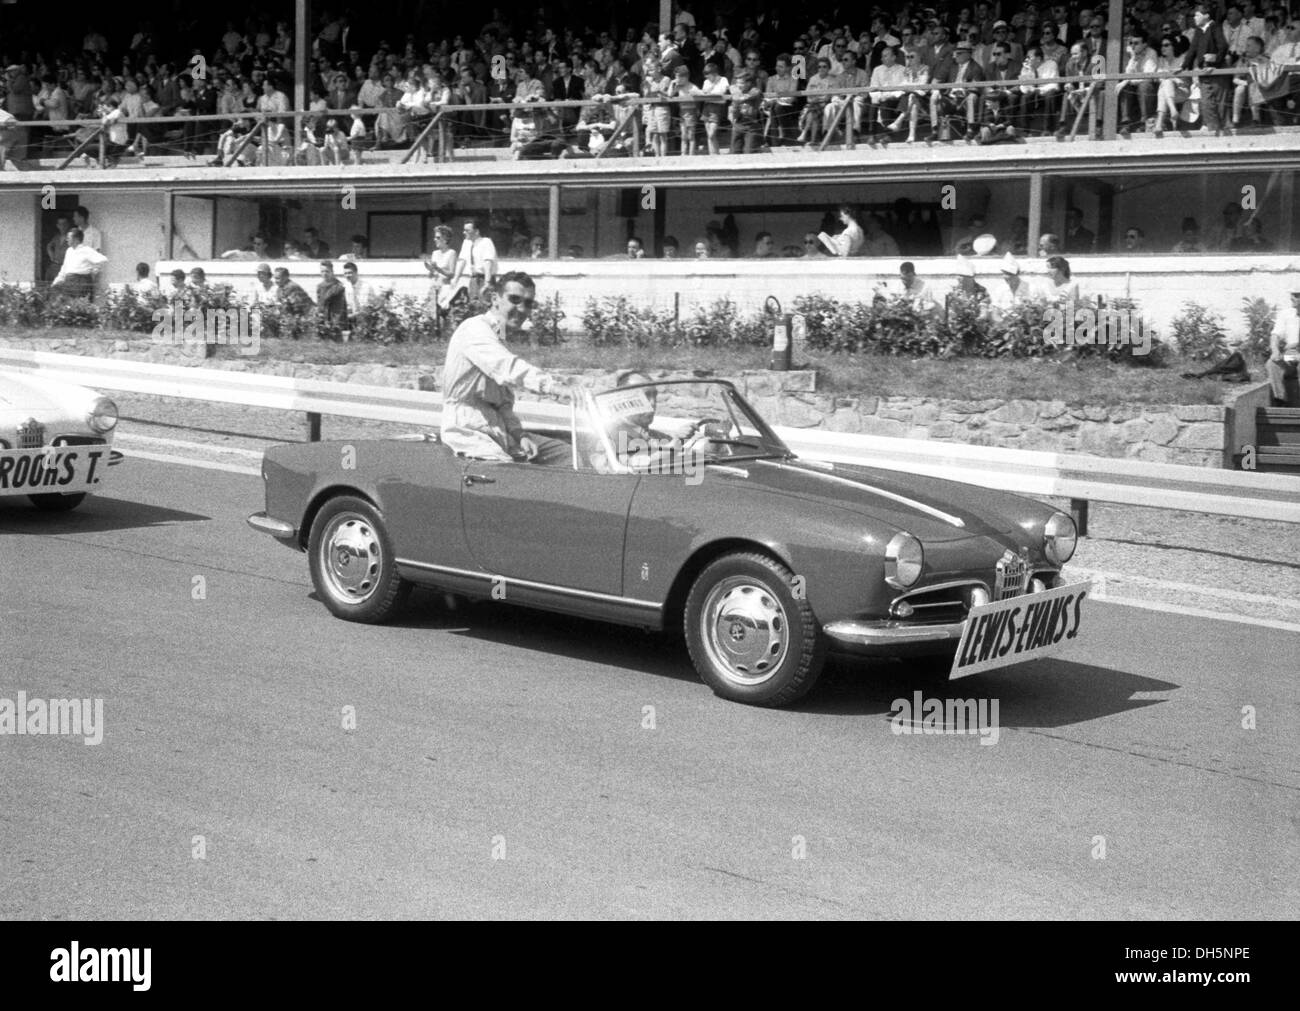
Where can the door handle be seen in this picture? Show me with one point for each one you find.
(473, 479)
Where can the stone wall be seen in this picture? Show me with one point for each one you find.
(1166, 433)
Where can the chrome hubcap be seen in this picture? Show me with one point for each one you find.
(745, 630)
(350, 558)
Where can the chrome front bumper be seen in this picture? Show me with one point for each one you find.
(278, 529)
(885, 637)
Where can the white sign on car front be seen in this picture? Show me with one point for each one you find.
(52, 469)
(1021, 628)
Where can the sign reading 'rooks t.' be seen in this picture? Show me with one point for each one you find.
(1021, 628)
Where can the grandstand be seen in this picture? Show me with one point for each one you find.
(575, 124)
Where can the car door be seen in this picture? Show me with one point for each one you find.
(547, 524)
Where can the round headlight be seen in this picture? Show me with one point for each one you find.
(1059, 539)
(103, 416)
(903, 560)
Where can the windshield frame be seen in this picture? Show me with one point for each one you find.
(738, 407)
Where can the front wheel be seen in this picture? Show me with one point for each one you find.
(750, 637)
(353, 566)
(55, 503)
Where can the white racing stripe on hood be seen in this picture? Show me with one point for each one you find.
(938, 514)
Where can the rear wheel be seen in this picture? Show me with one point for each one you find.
(53, 503)
(750, 638)
(353, 566)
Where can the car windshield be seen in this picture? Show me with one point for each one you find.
(649, 427)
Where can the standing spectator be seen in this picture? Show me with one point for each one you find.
(81, 266)
(714, 91)
(688, 112)
(272, 103)
(1208, 51)
(57, 247)
(658, 115)
(746, 99)
(1284, 352)
(567, 88)
(477, 262)
(1077, 238)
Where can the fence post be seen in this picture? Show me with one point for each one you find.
(1079, 510)
(313, 426)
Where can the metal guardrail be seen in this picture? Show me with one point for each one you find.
(1077, 477)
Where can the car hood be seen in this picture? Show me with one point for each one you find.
(30, 395)
(931, 508)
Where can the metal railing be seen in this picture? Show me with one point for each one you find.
(1077, 477)
(445, 146)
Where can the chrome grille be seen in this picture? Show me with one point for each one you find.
(31, 434)
(1012, 576)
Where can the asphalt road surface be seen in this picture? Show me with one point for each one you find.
(504, 763)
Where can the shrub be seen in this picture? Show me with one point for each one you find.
(130, 310)
(71, 312)
(546, 322)
(820, 314)
(21, 306)
(1199, 332)
(1260, 320)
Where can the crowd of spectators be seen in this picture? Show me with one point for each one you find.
(741, 82)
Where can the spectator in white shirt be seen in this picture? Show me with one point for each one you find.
(916, 291)
(263, 290)
(477, 262)
(143, 283)
(1138, 98)
(275, 101)
(9, 132)
(1017, 290)
(81, 266)
(886, 104)
(356, 292)
(1284, 347)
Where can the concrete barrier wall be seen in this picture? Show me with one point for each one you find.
(1161, 284)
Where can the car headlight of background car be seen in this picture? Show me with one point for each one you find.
(103, 415)
(1059, 539)
(904, 558)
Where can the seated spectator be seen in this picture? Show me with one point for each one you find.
(198, 285)
(390, 129)
(1059, 286)
(701, 249)
(231, 146)
(263, 290)
(817, 95)
(357, 295)
(875, 240)
(850, 238)
(10, 131)
(1252, 239)
(1077, 239)
(1245, 86)
(143, 283)
(812, 247)
(1174, 89)
(780, 101)
(849, 108)
(964, 245)
(178, 292)
(1038, 93)
(1138, 98)
(887, 106)
(961, 103)
(1233, 228)
(915, 291)
(670, 248)
(764, 247)
(970, 289)
(1017, 290)
(359, 138)
(290, 294)
(1135, 241)
(1191, 241)
(1081, 100)
(1049, 244)
(914, 72)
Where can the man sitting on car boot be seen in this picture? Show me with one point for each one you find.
(478, 416)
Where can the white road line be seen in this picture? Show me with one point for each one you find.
(131, 437)
(185, 461)
(1204, 591)
(1197, 612)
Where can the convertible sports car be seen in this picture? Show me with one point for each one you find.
(55, 441)
(681, 508)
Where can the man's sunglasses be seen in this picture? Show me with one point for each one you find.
(523, 300)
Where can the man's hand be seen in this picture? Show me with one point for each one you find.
(528, 448)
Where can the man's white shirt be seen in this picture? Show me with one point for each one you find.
(82, 260)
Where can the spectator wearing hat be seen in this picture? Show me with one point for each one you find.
(1001, 33)
(1016, 289)
(970, 289)
(962, 102)
(263, 290)
(1284, 352)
